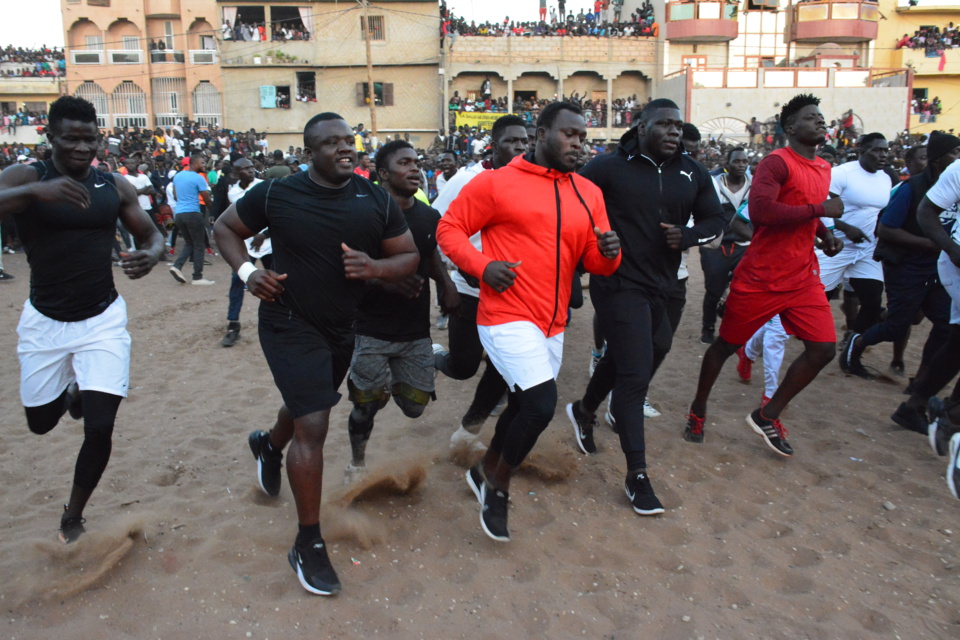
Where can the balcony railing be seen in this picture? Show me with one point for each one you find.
(793, 78)
(707, 21)
(844, 21)
(86, 56)
(203, 56)
(125, 56)
(166, 56)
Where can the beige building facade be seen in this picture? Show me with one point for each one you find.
(277, 86)
(147, 63)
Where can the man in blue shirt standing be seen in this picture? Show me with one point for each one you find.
(189, 188)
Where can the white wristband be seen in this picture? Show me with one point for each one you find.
(245, 270)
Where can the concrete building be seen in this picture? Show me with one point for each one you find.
(730, 61)
(276, 86)
(147, 63)
(547, 67)
(934, 75)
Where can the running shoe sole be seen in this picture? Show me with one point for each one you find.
(576, 429)
(953, 469)
(254, 442)
(642, 512)
(476, 483)
(759, 430)
(178, 275)
(291, 558)
(934, 406)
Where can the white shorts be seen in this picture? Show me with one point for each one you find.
(854, 261)
(950, 279)
(521, 353)
(95, 352)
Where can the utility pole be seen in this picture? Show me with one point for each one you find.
(371, 96)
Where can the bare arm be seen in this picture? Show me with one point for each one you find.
(905, 239)
(205, 197)
(137, 264)
(19, 188)
(449, 296)
(229, 233)
(400, 259)
(928, 216)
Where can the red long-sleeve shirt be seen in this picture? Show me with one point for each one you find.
(533, 215)
(786, 202)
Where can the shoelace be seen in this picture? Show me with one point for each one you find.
(781, 430)
(695, 423)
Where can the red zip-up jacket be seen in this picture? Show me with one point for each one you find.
(540, 217)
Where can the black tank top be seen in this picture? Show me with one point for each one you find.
(68, 248)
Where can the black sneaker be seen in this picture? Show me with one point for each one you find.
(911, 419)
(231, 337)
(493, 513)
(850, 361)
(312, 566)
(773, 432)
(940, 428)
(70, 528)
(707, 336)
(475, 480)
(4, 276)
(694, 430)
(268, 463)
(641, 495)
(583, 425)
(953, 470)
(74, 401)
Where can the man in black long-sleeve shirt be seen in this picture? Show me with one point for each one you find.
(650, 189)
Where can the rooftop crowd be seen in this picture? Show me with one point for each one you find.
(932, 39)
(18, 62)
(601, 19)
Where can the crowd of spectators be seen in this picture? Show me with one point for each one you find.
(931, 39)
(603, 19)
(257, 32)
(18, 62)
(924, 107)
(594, 111)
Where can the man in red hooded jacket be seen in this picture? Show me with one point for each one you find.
(538, 220)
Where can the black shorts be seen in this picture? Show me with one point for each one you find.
(308, 366)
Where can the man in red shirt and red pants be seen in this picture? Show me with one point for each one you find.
(779, 273)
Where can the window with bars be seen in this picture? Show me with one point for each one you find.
(382, 91)
(206, 104)
(377, 31)
(92, 93)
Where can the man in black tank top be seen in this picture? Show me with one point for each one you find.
(74, 348)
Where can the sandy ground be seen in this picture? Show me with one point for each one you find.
(856, 536)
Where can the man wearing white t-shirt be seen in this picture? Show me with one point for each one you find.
(141, 183)
(864, 188)
(945, 416)
(258, 247)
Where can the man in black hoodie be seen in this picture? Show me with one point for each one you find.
(650, 189)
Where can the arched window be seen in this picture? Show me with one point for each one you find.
(129, 104)
(206, 105)
(92, 93)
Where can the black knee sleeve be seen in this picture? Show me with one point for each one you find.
(535, 410)
(44, 418)
(99, 415)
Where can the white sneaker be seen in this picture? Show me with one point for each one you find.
(595, 358)
(463, 439)
(442, 323)
(648, 410)
(353, 472)
(438, 348)
(178, 275)
(202, 282)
